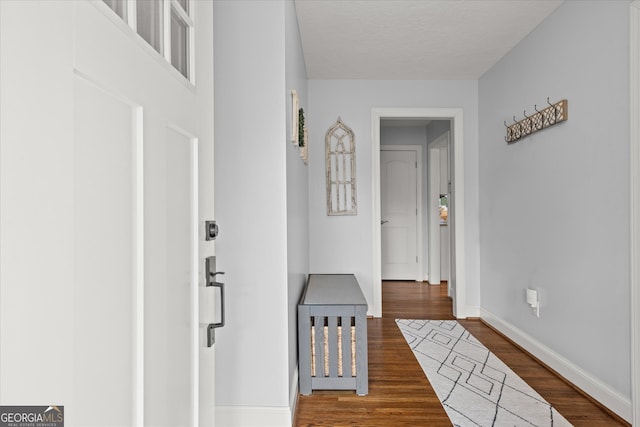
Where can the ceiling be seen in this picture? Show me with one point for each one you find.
(412, 39)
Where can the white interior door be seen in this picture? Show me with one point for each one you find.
(136, 147)
(399, 214)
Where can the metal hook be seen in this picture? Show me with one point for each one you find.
(535, 107)
(506, 125)
(514, 119)
(549, 102)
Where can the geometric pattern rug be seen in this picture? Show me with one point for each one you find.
(475, 387)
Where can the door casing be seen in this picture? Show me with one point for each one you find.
(458, 282)
(433, 217)
(634, 13)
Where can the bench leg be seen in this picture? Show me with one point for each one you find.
(304, 350)
(362, 363)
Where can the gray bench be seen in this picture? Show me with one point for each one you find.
(332, 335)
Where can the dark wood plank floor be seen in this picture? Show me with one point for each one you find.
(399, 393)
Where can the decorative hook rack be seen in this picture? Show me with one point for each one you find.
(551, 115)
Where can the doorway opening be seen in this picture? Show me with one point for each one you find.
(456, 279)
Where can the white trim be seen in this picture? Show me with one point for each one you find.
(139, 265)
(601, 392)
(195, 271)
(433, 219)
(472, 311)
(456, 115)
(634, 59)
(166, 32)
(458, 228)
(132, 16)
(435, 245)
(293, 392)
(254, 416)
(129, 31)
(195, 277)
(418, 151)
(181, 12)
(192, 42)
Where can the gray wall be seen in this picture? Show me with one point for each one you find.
(553, 213)
(554, 207)
(437, 128)
(251, 193)
(297, 191)
(345, 244)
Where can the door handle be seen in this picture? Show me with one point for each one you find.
(211, 282)
(211, 328)
(384, 221)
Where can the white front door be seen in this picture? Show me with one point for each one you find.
(138, 189)
(399, 214)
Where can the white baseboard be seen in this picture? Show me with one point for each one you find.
(252, 416)
(472, 311)
(256, 416)
(595, 388)
(293, 393)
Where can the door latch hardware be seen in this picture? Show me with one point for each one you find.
(211, 230)
(210, 266)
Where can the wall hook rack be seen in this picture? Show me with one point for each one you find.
(542, 119)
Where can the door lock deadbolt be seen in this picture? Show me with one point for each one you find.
(211, 230)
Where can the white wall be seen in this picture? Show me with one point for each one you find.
(252, 365)
(297, 193)
(37, 182)
(554, 206)
(345, 244)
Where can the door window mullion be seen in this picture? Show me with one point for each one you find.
(166, 25)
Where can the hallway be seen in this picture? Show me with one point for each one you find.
(399, 393)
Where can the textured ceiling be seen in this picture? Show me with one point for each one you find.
(412, 39)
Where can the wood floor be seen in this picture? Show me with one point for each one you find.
(399, 393)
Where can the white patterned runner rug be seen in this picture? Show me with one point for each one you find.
(475, 387)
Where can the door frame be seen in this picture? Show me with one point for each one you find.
(432, 218)
(419, 249)
(435, 243)
(634, 13)
(456, 117)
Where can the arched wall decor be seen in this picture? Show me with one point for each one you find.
(340, 151)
